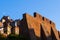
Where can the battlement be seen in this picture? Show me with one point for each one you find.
(38, 16)
(35, 27)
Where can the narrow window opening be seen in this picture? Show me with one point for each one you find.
(50, 22)
(34, 14)
(43, 18)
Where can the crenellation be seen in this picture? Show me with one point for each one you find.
(52, 24)
(36, 15)
(45, 20)
(35, 27)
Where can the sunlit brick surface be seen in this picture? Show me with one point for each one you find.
(34, 27)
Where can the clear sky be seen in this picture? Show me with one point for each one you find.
(47, 8)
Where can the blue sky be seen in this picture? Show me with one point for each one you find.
(47, 8)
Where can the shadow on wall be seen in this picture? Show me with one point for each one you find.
(49, 37)
(43, 36)
(32, 36)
